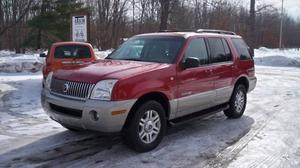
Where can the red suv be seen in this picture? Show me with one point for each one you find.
(152, 80)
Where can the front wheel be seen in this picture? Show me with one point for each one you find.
(237, 103)
(147, 127)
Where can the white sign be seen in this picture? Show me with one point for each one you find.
(79, 28)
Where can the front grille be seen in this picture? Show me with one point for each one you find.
(66, 111)
(73, 89)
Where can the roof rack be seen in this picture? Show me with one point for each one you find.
(175, 30)
(201, 31)
(215, 31)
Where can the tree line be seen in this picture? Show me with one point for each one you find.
(36, 24)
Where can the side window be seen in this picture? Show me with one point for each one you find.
(228, 55)
(241, 48)
(197, 48)
(219, 49)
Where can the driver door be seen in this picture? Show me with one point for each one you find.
(195, 85)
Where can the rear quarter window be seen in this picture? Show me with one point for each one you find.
(242, 48)
(219, 50)
(72, 51)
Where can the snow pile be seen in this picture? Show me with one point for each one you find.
(12, 62)
(5, 53)
(277, 57)
(102, 54)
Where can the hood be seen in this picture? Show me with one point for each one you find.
(106, 69)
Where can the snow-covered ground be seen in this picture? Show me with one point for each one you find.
(266, 136)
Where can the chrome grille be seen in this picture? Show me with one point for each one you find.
(73, 89)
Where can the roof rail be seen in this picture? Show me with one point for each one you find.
(175, 30)
(200, 31)
(215, 31)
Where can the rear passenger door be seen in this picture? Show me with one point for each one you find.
(221, 60)
(195, 85)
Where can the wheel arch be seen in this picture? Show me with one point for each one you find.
(242, 80)
(156, 96)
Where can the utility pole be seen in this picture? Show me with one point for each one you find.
(281, 26)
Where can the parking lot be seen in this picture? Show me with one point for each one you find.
(265, 136)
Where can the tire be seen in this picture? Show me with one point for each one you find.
(237, 103)
(144, 133)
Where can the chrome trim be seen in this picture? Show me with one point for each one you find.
(222, 63)
(195, 102)
(200, 101)
(77, 90)
(173, 108)
(68, 97)
(223, 95)
(107, 122)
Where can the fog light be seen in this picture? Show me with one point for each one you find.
(94, 115)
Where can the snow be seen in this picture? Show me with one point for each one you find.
(266, 136)
(277, 57)
(31, 62)
(10, 62)
(102, 54)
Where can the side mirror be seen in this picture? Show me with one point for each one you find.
(43, 55)
(191, 62)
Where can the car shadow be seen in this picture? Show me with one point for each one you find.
(194, 141)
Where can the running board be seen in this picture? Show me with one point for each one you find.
(197, 115)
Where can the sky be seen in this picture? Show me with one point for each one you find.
(292, 7)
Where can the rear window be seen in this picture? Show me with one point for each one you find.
(72, 51)
(241, 48)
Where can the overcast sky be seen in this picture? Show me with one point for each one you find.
(292, 7)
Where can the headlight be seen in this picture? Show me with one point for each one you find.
(103, 90)
(48, 80)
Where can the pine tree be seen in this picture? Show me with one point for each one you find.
(53, 21)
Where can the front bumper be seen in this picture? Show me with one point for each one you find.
(252, 83)
(107, 122)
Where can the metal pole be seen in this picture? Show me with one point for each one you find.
(281, 26)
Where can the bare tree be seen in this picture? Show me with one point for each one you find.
(8, 23)
(112, 20)
(164, 14)
(252, 25)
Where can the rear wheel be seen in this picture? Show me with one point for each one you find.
(237, 103)
(147, 127)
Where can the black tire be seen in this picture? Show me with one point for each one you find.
(132, 129)
(234, 111)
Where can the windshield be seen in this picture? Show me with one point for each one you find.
(149, 49)
(72, 51)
